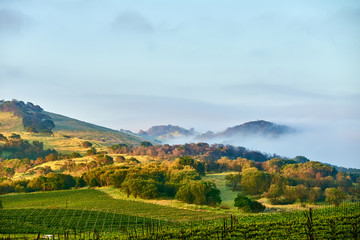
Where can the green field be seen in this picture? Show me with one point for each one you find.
(227, 195)
(89, 214)
(92, 199)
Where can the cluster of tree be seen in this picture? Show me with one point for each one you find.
(15, 147)
(203, 151)
(285, 181)
(18, 156)
(33, 117)
(49, 182)
(177, 179)
(199, 192)
(86, 144)
(246, 204)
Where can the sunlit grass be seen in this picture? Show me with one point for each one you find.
(227, 195)
(10, 123)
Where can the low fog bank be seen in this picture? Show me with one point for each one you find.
(334, 143)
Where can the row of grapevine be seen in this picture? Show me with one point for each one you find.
(326, 223)
(15, 221)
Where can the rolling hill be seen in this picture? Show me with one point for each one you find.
(65, 135)
(259, 128)
(167, 132)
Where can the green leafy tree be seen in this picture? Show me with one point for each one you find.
(197, 165)
(133, 160)
(86, 144)
(242, 202)
(145, 144)
(79, 182)
(199, 192)
(184, 194)
(140, 187)
(1, 206)
(91, 151)
(37, 184)
(75, 155)
(254, 181)
(274, 193)
(149, 189)
(3, 138)
(334, 196)
(14, 137)
(187, 160)
(301, 159)
(119, 159)
(315, 194)
(213, 195)
(104, 159)
(233, 181)
(118, 177)
(31, 130)
(302, 193)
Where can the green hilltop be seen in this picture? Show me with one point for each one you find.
(32, 123)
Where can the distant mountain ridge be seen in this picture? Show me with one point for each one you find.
(167, 132)
(259, 128)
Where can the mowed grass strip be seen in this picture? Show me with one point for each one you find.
(92, 199)
(226, 194)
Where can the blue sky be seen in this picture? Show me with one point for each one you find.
(202, 64)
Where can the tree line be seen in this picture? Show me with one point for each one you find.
(203, 151)
(15, 147)
(285, 181)
(33, 117)
(177, 179)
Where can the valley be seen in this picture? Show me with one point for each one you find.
(69, 178)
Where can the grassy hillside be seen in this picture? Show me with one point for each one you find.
(68, 133)
(75, 128)
(10, 123)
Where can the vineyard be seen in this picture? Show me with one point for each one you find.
(18, 221)
(327, 223)
(92, 199)
(91, 214)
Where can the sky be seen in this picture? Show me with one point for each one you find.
(210, 65)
